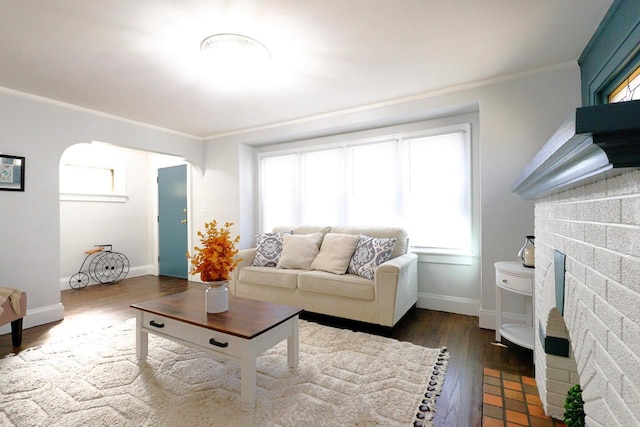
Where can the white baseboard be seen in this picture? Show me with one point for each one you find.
(488, 318)
(55, 312)
(468, 307)
(38, 316)
(458, 305)
(142, 270)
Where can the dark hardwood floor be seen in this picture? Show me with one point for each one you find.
(470, 347)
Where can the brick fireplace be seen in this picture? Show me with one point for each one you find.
(586, 185)
(585, 182)
(597, 227)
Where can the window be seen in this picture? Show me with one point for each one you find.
(438, 191)
(419, 181)
(87, 179)
(278, 190)
(628, 89)
(92, 172)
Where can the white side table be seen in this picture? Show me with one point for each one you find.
(512, 276)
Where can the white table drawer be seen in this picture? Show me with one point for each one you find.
(213, 340)
(520, 284)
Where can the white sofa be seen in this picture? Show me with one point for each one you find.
(383, 300)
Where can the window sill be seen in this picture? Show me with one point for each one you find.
(79, 197)
(443, 256)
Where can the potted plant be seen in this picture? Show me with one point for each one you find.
(574, 415)
(214, 261)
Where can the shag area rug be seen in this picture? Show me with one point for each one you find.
(344, 378)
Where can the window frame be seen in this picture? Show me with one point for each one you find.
(630, 72)
(425, 128)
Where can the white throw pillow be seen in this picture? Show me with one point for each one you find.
(335, 253)
(299, 250)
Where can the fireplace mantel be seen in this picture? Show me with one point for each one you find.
(592, 144)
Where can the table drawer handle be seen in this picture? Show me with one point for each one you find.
(156, 325)
(212, 341)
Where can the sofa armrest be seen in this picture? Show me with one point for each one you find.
(398, 263)
(247, 256)
(396, 283)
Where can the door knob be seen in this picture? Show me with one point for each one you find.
(184, 210)
(184, 221)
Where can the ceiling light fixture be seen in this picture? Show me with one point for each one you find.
(235, 50)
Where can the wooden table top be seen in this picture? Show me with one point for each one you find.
(246, 318)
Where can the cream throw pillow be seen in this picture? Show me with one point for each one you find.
(299, 250)
(335, 253)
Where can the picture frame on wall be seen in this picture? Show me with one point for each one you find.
(11, 173)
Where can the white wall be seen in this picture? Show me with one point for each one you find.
(216, 191)
(517, 116)
(30, 220)
(516, 119)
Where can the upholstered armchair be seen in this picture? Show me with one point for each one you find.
(13, 310)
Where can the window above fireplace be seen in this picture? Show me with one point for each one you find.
(628, 90)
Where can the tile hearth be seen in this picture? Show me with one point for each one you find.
(512, 400)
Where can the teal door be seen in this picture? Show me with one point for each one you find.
(172, 221)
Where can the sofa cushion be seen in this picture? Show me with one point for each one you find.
(299, 250)
(346, 285)
(335, 253)
(370, 253)
(402, 237)
(270, 276)
(268, 249)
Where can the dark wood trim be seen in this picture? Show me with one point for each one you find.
(612, 51)
(556, 346)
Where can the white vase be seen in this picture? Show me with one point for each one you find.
(217, 296)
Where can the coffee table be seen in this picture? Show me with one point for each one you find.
(242, 333)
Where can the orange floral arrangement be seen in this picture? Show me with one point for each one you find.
(215, 259)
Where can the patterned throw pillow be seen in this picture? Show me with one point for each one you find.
(268, 249)
(370, 253)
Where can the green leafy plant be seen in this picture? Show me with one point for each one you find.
(574, 408)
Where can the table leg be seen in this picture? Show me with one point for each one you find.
(248, 377)
(142, 339)
(293, 349)
(498, 313)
